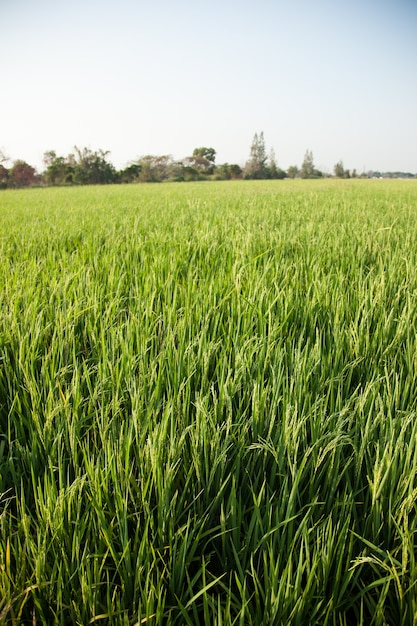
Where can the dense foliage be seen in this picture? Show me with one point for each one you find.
(208, 404)
(84, 166)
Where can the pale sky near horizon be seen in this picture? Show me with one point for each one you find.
(336, 77)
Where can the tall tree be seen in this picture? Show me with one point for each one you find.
(256, 166)
(339, 170)
(307, 167)
(273, 170)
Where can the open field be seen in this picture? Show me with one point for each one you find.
(208, 401)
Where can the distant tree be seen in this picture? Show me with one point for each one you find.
(21, 174)
(146, 175)
(272, 164)
(201, 163)
(273, 171)
(223, 172)
(92, 168)
(154, 169)
(189, 173)
(256, 166)
(4, 172)
(58, 169)
(307, 167)
(339, 170)
(130, 174)
(162, 166)
(82, 167)
(176, 171)
(280, 174)
(235, 171)
(229, 171)
(293, 171)
(206, 153)
(4, 176)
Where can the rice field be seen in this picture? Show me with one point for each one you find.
(208, 402)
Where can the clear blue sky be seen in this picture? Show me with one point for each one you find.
(164, 76)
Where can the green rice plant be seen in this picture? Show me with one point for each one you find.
(207, 404)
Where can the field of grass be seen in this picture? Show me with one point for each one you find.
(208, 403)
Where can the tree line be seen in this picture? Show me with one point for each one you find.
(84, 166)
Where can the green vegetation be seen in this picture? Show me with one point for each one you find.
(208, 404)
(87, 167)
